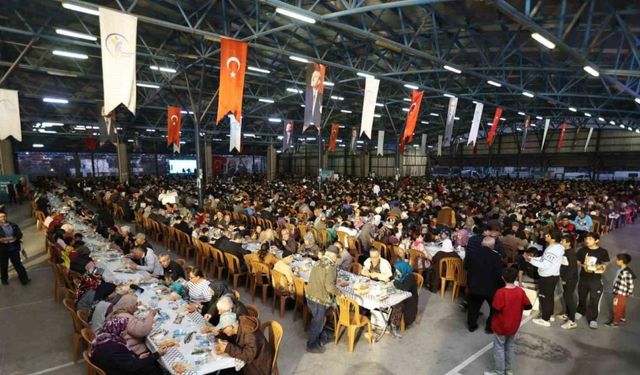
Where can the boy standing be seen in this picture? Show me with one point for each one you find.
(508, 304)
(622, 288)
(594, 261)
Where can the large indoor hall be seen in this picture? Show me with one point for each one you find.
(440, 187)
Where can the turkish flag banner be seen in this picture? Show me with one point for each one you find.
(561, 139)
(494, 126)
(412, 118)
(91, 143)
(233, 63)
(174, 123)
(335, 128)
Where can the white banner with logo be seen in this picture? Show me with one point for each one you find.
(369, 105)
(235, 133)
(475, 124)
(10, 115)
(380, 149)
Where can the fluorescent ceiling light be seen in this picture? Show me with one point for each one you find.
(612, 122)
(311, 138)
(364, 75)
(74, 34)
(259, 70)
(334, 97)
(38, 145)
(341, 127)
(130, 140)
(518, 129)
(265, 100)
(405, 109)
(502, 119)
(601, 119)
(73, 55)
(521, 113)
(494, 83)
(539, 117)
(47, 131)
(406, 99)
(183, 142)
(622, 126)
(379, 105)
(587, 114)
(302, 105)
(249, 135)
(295, 15)
(638, 100)
(81, 9)
(295, 91)
(186, 112)
(80, 127)
(490, 123)
(573, 109)
(452, 69)
(449, 95)
(299, 59)
(163, 69)
(629, 129)
(360, 142)
(55, 100)
(50, 124)
(410, 86)
(456, 118)
(527, 94)
(533, 125)
(591, 70)
(544, 41)
(274, 119)
(434, 114)
(151, 130)
(329, 84)
(377, 115)
(147, 85)
(424, 122)
(345, 111)
(638, 131)
(61, 73)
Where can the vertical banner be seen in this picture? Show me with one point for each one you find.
(451, 114)
(233, 64)
(90, 143)
(369, 105)
(235, 133)
(544, 135)
(333, 138)
(118, 34)
(586, 145)
(423, 144)
(313, 96)
(107, 125)
(354, 138)
(475, 149)
(527, 122)
(287, 136)
(380, 149)
(10, 115)
(174, 124)
(475, 124)
(562, 132)
(412, 118)
(494, 126)
(440, 145)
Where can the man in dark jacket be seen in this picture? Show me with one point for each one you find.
(484, 277)
(172, 271)
(569, 276)
(10, 236)
(182, 226)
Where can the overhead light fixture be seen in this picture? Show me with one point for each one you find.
(81, 9)
(521, 113)
(456, 118)
(587, 114)
(591, 70)
(527, 94)
(622, 126)
(494, 83)
(298, 59)
(452, 69)
(364, 75)
(186, 112)
(601, 119)
(638, 131)
(405, 109)
(335, 97)
(410, 86)
(38, 145)
(80, 127)
(150, 130)
(295, 91)
(329, 84)
(533, 125)
(74, 34)
(638, 100)
(47, 131)
(259, 70)
(449, 95)
(544, 41)
(265, 100)
(130, 140)
(302, 105)
(310, 138)
(612, 122)
(424, 122)
(406, 99)
(147, 85)
(163, 69)
(379, 105)
(377, 115)
(297, 16)
(274, 119)
(55, 100)
(502, 119)
(51, 124)
(519, 129)
(73, 55)
(249, 135)
(345, 111)
(61, 73)
(539, 117)
(573, 109)
(630, 129)
(434, 114)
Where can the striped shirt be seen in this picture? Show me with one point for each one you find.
(200, 292)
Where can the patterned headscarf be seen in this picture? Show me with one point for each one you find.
(111, 331)
(405, 270)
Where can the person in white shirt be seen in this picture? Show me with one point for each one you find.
(549, 270)
(376, 267)
(447, 244)
(146, 260)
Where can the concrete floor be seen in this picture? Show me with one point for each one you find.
(35, 332)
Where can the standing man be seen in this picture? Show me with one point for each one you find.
(10, 236)
(594, 261)
(549, 270)
(569, 276)
(321, 291)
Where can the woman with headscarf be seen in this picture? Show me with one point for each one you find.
(403, 279)
(110, 353)
(81, 261)
(310, 247)
(103, 300)
(137, 329)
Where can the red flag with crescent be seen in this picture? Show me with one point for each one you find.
(233, 64)
(494, 126)
(561, 139)
(412, 118)
(335, 129)
(174, 123)
(91, 143)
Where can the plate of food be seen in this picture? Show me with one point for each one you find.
(181, 367)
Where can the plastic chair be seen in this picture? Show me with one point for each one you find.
(460, 280)
(253, 311)
(88, 335)
(349, 317)
(419, 280)
(273, 331)
(355, 268)
(59, 284)
(281, 288)
(83, 317)
(259, 275)
(417, 260)
(77, 326)
(447, 269)
(218, 262)
(233, 264)
(300, 286)
(40, 220)
(384, 250)
(92, 369)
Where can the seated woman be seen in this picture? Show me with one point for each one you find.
(403, 279)
(103, 301)
(137, 329)
(255, 233)
(263, 255)
(284, 267)
(81, 260)
(199, 290)
(110, 353)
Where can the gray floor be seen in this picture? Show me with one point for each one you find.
(35, 333)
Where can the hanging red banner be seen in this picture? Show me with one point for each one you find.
(494, 126)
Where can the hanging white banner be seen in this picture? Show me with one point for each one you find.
(544, 135)
(451, 116)
(475, 124)
(440, 145)
(118, 33)
(10, 115)
(369, 105)
(235, 133)
(423, 145)
(586, 145)
(380, 149)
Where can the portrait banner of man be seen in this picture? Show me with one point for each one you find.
(313, 96)
(287, 136)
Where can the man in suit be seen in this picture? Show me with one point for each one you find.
(232, 246)
(182, 226)
(313, 98)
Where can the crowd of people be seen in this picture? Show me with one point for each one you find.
(513, 233)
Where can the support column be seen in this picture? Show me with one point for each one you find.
(7, 165)
(78, 164)
(365, 164)
(208, 160)
(325, 160)
(271, 163)
(123, 162)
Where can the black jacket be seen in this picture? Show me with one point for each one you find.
(409, 305)
(175, 271)
(184, 227)
(484, 271)
(17, 233)
(115, 359)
